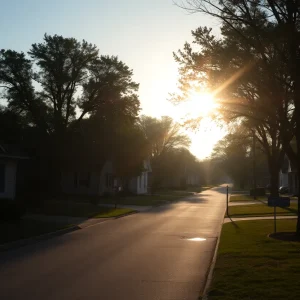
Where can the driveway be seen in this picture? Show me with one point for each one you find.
(145, 256)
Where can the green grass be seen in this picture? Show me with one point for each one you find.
(148, 200)
(144, 200)
(243, 197)
(252, 266)
(25, 229)
(110, 213)
(85, 210)
(254, 210)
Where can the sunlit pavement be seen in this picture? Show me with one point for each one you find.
(160, 254)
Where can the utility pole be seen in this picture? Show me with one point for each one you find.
(227, 192)
(254, 163)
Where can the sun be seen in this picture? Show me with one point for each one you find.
(198, 105)
(202, 104)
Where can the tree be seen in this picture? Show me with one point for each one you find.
(63, 67)
(165, 137)
(65, 83)
(163, 134)
(265, 26)
(233, 155)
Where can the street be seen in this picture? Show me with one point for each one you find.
(144, 256)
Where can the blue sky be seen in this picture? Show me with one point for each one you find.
(142, 33)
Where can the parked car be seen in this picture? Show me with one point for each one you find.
(283, 190)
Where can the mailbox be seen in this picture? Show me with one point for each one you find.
(279, 201)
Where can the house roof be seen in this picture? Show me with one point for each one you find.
(12, 151)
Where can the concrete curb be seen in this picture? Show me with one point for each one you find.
(127, 214)
(33, 240)
(210, 272)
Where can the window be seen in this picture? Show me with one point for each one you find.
(82, 179)
(2, 178)
(109, 180)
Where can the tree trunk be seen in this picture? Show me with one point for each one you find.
(274, 180)
(298, 177)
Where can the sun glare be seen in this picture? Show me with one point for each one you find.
(201, 104)
(197, 105)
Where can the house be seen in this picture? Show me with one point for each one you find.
(95, 179)
(293, 179)
(193, 179)
(140, 184)
(9, 160)
(283, 173)
(98, 179)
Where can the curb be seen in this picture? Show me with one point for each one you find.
(33, 240)
(127, 214)
(212, 266)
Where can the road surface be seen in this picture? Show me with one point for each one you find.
(146, 256)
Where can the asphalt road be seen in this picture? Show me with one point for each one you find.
(146, 256)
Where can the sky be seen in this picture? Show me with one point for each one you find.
(142, 33)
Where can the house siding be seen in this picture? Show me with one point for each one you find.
(103, 186)
(10, 170)
(283, 179)
(69, 186)
(70, 181)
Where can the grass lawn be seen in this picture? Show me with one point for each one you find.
(149, 200)
(252, 266)
(24, 229)
(243, 197)
(254, 210)
(141, 200)
(86, 210)
(111, 212)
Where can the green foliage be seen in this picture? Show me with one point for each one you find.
(250, 69)
(232, 155)
(163, 134)
(170, 160)
(73, 104)
(62, 67)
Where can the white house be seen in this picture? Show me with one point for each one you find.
(293, 179)
(140, 184)
(99, 179)
(94, 180)
(9, 158)
(283, 173)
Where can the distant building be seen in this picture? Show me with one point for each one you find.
(9, 160)
(293, 179)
